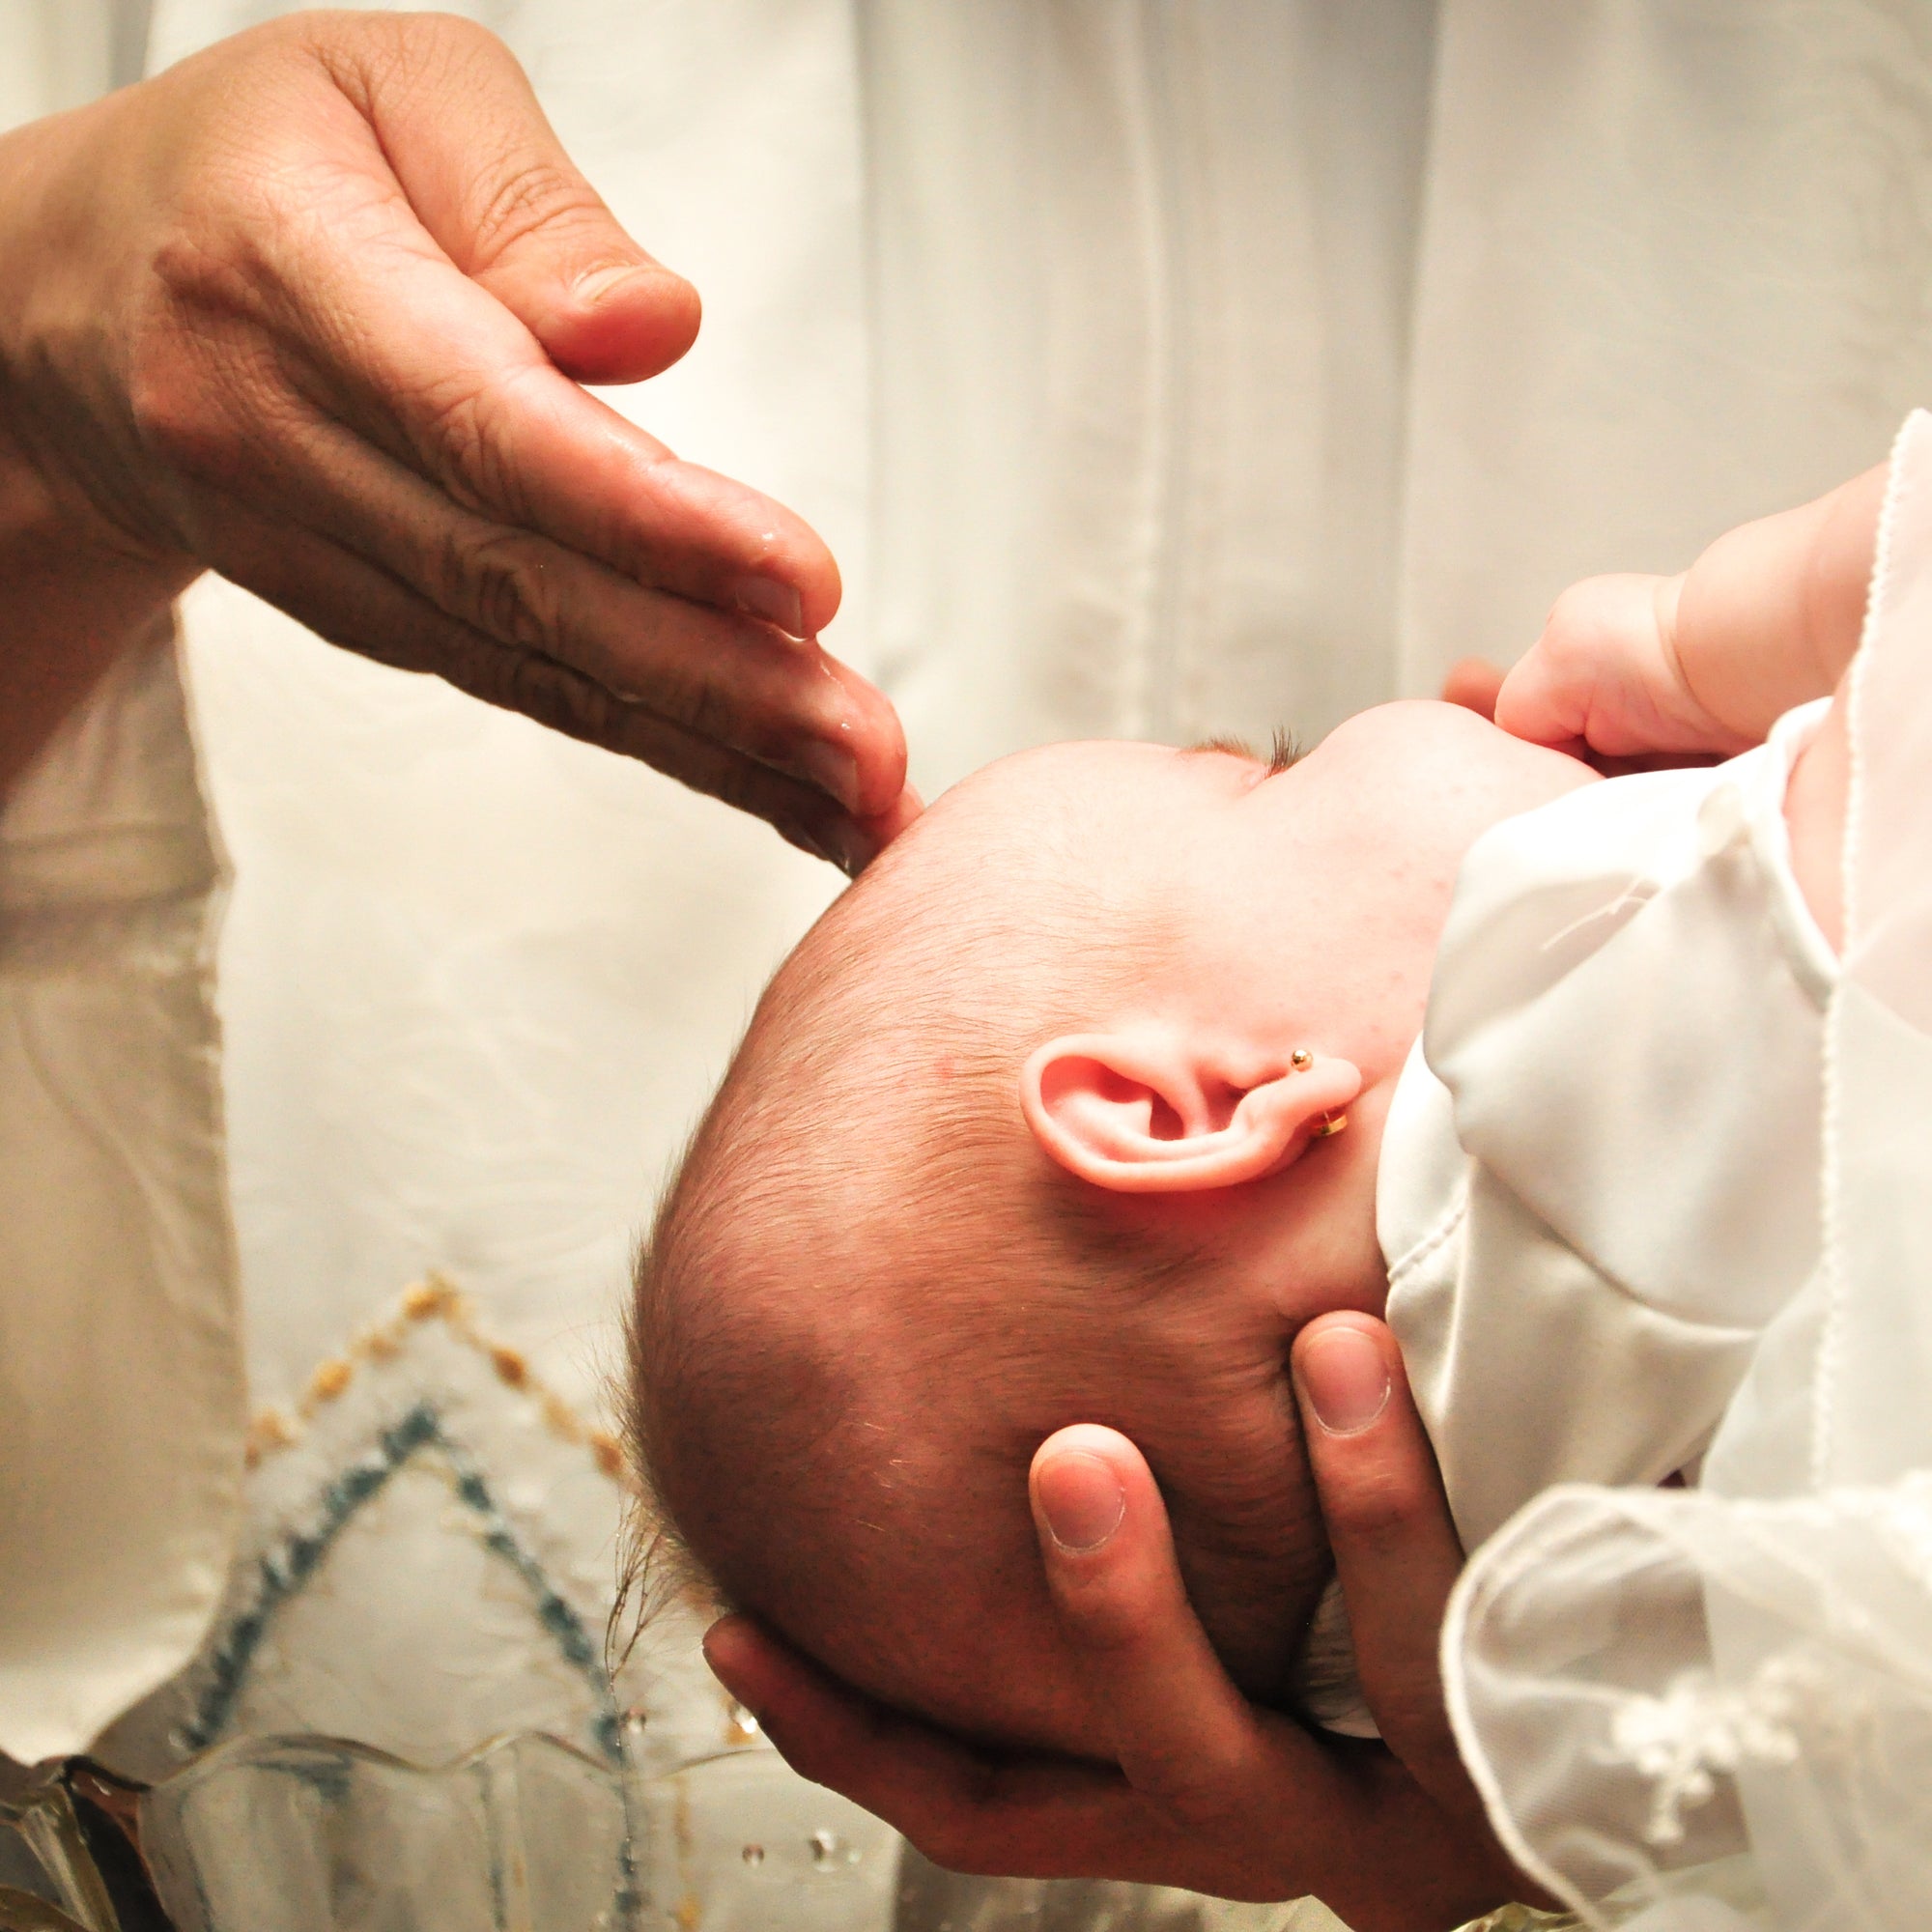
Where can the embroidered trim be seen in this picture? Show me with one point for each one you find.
(1700, 1730)
(284, 1571)
(436, 1298)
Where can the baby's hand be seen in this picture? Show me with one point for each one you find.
(1604, 677)
(1707, 662)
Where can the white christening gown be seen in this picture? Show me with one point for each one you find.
(1703, 1709)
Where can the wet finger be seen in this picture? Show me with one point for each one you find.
(345, 599)
(376, 326)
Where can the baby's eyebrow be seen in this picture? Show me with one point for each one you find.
(1284, 752)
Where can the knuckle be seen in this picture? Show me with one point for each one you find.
(1103, 1622)
(701, 707)
(541, 191)
(460, 432)
(205, 409)
(202, 384)
(503, 584)
(415, 49)
(1377, 1506)
(561, 698)
(167, 407)
(537, 687)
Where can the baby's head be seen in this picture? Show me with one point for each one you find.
(1029, 1131)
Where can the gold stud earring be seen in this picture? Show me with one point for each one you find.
(1301, 1059)
(1331, 1125)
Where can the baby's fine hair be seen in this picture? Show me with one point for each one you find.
(876, 1088)
(861, 1227)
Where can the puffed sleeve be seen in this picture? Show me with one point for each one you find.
(1625, 1023)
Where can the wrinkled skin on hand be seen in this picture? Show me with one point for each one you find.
(313, 308)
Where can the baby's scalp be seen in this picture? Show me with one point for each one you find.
(868, 1297)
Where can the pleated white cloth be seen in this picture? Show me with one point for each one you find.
(1601, 1184)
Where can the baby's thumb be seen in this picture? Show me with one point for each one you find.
(490, 180)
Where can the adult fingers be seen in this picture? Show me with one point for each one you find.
(1358, 1832)
(964, 1808)
(345, 599)
(1184, 1736)
(446, 382)
(1239, 1802)
(1396, 1548)
(354, 304)
(716, 675)
(491, 182)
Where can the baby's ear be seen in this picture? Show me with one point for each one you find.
(1149, 1113)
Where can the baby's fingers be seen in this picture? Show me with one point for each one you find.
(1604, 678)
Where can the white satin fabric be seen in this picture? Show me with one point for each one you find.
(1713, 1710)
(1599, 1178)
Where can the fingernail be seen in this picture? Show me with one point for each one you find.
(1346, 1378)
(832, 770)
(841, 845)
(775, 602)
(593, 288)
(849, 850)
(1081, 1499)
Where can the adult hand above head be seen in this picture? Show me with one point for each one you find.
(1210, 1792)
(312, 309)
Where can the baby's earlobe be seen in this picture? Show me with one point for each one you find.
(1150, 1110)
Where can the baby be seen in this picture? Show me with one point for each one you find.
(1106, 1078)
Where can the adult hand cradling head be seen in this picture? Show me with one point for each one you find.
(1030, 1133)
(313, 309)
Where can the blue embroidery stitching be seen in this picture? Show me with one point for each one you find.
(286, 1569)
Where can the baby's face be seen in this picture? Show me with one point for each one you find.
(1293, 907)
(1354, 847)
